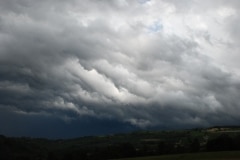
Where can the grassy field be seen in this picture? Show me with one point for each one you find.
(231, 155)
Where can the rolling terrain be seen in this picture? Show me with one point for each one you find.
(168, 144)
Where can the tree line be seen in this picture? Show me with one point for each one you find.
(43, 149)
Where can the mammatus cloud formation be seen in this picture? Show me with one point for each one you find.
(141, 63)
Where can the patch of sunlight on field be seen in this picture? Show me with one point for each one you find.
(229, 155)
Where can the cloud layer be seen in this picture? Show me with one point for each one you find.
(142, 63)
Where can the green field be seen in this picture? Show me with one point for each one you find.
(231, 155)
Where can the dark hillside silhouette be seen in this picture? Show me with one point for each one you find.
(142, 143)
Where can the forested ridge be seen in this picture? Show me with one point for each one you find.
(139, 143)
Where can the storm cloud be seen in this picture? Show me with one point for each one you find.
(138, 64)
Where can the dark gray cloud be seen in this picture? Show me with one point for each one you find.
(147, 64)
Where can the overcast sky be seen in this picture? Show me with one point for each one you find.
(89, 67)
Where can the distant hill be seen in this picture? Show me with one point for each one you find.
(139, 143)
